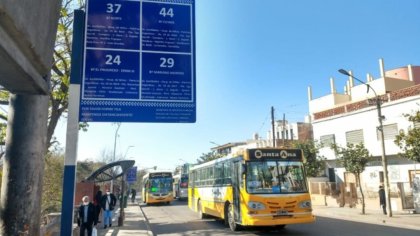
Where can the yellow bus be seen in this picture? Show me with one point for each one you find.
(256, 187)
(157, 187)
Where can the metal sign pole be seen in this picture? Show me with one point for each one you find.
(72, 125)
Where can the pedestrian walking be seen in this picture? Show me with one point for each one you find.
(87, 217)
(382, 200)
(133, 195)
(108, 203)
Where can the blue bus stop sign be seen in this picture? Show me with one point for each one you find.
(139, 62)
(131, 175)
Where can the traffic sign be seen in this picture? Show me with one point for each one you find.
(131, 175)
(139, 61)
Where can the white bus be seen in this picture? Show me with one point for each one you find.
(181, 186)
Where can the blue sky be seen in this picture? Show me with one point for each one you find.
(252, 55)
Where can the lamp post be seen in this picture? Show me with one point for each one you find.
(214, 143)
(113, 157)
(381, 130)
(123, 199)
(126, 151)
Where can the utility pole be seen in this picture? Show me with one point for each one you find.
(384, 162)
(272, 127)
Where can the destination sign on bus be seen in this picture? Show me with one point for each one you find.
(289, 154)
(160, 175)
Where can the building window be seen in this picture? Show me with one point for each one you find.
(291, 134)
(390, 131)
(327, 140)
(355, 136)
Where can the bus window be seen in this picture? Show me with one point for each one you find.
(275, 177)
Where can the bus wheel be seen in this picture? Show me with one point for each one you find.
(200, 211)
(231, 219)
(280, 226)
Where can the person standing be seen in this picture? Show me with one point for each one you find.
(108, 203)
(382, 200)
(87, 217)
(97, 203)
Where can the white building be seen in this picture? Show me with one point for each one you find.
(285, 133)
(352, 117)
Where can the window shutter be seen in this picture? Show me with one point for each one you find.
(355, 136)
(327, 140)
(390, 131)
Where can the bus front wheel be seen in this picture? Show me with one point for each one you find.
(231, 219)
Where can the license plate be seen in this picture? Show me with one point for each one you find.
(282, 212)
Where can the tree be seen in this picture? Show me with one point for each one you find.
(60, 75)
(409, 142)
(314, 163)
(354, 158)
(52, 184)
(206, 157)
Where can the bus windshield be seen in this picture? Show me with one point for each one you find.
(161, 184)
(275, 177)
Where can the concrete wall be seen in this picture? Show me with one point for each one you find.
(27, 36)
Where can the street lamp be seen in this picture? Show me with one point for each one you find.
(113, 157)
(126, 151)
(214, 143)
(381, 130)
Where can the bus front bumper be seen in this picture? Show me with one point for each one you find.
(271, 220)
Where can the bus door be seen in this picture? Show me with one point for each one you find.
(192, 184)
(236, 181)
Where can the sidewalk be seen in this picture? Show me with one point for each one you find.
(400, 219)
(134, 223)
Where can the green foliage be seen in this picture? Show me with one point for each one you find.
(138, 184)
(314, 163)
(53, 180)
(409, 142)
(52, 183)
(206, 157)
(86, 168)
(354, 158)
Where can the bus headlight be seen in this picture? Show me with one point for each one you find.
(256, 205)
(305, 204)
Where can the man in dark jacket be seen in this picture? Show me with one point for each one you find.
(108, 203)
(97, 203)
(87, 217)
(382, 200)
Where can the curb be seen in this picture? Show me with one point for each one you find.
(147, 222)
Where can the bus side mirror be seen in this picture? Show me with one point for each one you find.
(243, 169)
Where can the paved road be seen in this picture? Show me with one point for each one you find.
(177, 219)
